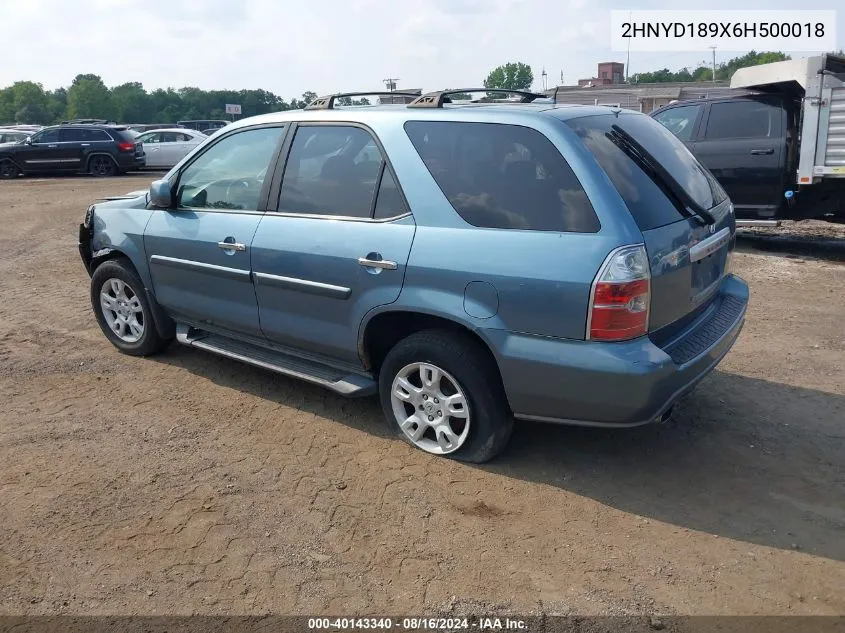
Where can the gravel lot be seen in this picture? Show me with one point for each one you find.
(186, 483)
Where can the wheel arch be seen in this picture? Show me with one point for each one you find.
(100, 153)
(12, 160)
(382, 329)
(165, 325)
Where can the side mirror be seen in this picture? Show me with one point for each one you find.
(161, 195)
(28, 140)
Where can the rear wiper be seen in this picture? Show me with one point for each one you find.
(661, 177)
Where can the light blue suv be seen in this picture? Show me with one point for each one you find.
(470, 262)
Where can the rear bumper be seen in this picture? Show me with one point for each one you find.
(131, 161)
(590, 383)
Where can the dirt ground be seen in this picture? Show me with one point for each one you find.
(188, 483)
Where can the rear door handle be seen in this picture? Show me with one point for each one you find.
(86, 144)
(232, 246)
(762, 152)
(377, 263)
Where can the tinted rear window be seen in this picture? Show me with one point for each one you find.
(646, 201)
(503, 176)
(122, 135)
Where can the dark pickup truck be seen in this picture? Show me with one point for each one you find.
(778, 145)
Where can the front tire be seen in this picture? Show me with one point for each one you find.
(8, 170)
(101, 166)
(441, 392)
(123, 311)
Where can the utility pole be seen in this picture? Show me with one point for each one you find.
(628, 58)
(545, 80)
(713, 48)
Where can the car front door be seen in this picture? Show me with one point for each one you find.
(743, 143)
(199, 251)
(681, 121)
(334, 243)
(42, 152)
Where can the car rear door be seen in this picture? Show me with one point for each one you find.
(688, 255)
(151, 143)
(336, 243)
(199, 251)
(743, 142)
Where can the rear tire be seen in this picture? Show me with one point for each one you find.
(441, 392)
(101, 166)
(123, 311)
(8, 170)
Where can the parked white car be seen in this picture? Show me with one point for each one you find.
(166, 147)
(11, 135)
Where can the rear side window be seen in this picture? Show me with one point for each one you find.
(503, 176)
(331, 170)
(743, 119)
(645, 200)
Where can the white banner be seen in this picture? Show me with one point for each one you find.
(233, 108)
(738, 31)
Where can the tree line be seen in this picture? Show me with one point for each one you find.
(89, 97)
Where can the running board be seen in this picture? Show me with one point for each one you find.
(338, 380)
(758, 222)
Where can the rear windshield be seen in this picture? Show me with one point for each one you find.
(503, 176)
(648, 204)
(122, 135)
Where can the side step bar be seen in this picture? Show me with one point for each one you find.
(758, 223)
(338, 380)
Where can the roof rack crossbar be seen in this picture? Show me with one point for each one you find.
(327, 102)
(437, 99)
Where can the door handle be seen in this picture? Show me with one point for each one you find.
(762, 152)
(377, 263)
(232, 246)
(52, 146)
(86, 144)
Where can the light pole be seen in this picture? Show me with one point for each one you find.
(713, 48)
(545, 80)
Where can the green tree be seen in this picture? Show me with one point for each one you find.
(7, 106)
(88, 97)
(132, 103)
(57, 104)
(704, 71)
(28, 103)
(511, 76)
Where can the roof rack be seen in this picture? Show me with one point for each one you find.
(88, 122)
(437, 99)
(327, 102)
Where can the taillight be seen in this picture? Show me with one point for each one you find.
(621, 296)
(126, 147)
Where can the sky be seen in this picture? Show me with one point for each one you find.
(325, 46)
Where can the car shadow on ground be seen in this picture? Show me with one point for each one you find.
(742, 458)
(815, 245)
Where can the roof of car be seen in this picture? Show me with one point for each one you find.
(482, 112)
(181, 130)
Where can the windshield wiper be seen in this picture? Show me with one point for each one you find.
(658, 174)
